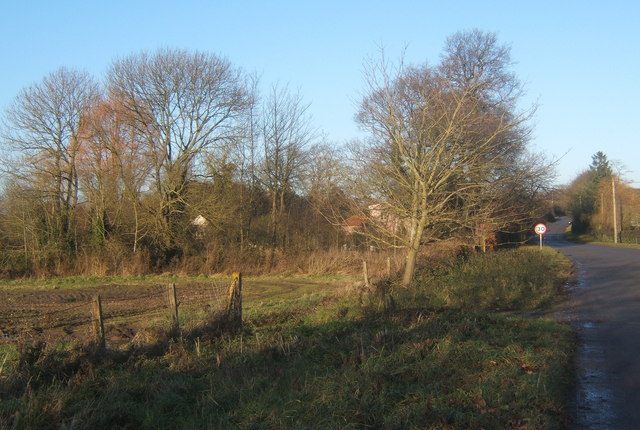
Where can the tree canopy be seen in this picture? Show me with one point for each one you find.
(446, 144)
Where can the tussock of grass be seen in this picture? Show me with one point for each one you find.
(439, 358)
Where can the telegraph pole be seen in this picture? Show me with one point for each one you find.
(615, 215)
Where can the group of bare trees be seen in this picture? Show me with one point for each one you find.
(172, 145)
(176, 155)
(44, 129)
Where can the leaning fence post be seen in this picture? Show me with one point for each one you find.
(173, 305)
(234, 306)
(98, 322)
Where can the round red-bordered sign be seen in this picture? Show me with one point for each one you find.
(540, 229)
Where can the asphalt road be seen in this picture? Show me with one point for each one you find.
(604, 307)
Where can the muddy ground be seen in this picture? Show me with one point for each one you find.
(54, 314)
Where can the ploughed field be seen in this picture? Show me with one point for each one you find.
(61, 313)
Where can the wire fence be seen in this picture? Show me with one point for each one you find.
(46, 316)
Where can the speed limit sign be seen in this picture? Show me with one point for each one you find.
(540, 228)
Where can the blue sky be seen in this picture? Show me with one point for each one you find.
(580, 60)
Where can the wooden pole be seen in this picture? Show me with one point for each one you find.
(365, 273)
(173, 305)
(234, 305)
(388, 267)
(98, 323)
(615, 215)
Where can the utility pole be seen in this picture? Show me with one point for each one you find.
(615, 215)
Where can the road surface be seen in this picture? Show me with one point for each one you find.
(604, 308)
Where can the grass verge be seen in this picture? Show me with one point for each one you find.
(442, 354)
(591, 240)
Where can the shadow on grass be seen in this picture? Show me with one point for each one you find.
(434, 356)
(401, 369)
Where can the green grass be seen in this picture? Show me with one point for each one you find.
(75, 282)
(441, 354)
(590, 239)
(506, 280)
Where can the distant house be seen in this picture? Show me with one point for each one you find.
(384, 218)
(353, 224)
(378, 215)
(200, 223)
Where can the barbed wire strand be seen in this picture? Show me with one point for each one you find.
(219, 291)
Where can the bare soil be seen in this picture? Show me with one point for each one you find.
(53, 314)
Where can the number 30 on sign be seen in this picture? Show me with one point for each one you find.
(540, 229)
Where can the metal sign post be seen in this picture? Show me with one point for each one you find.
(540, 229)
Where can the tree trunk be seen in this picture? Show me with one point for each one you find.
(274, 228)
(415, 239)
(410, 267)
(274, 219)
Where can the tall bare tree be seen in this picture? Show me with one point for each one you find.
(286, 133)
(440, 139)
(246, 157)
(41, 129)
(325, 193)
(113, 172)
(182, 104)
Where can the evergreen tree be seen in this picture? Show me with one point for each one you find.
(584, 192)
(599, 166)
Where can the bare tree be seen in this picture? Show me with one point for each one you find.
(286, 134)
(327, 172)
(113, 172)
(325, 191)
(182, 104)
(246, 158)
(440, 140)
(41, 130)
(476, 63)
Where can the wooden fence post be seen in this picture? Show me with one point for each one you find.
(173, 305)
(234, 306)
(388, 267)
(98, 323)
(365, 273)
